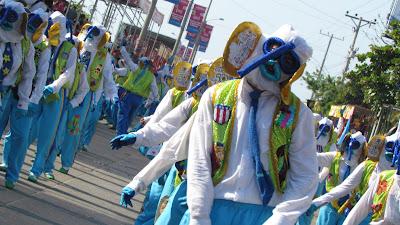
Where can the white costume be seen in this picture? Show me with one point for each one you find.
(239, 183)
(363, 207)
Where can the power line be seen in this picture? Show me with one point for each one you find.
(324, 13)
(308, 14)
(375, 8)
(253, 14)
(361, 5)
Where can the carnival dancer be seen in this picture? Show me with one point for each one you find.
(238, 162)
(359, 180)
(326, 142)
(327, 136)
(97, 68)
(17, 142)
(172, 99)
(173, 206)
(59, 78)
(155, 133)
(17, 67)
(70, 123)
(381, 201)
(341, 164)
(140, 85)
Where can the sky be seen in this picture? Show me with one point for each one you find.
(309, 18)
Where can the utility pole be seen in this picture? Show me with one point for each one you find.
(331, 36)
(145, 27)
(183, 26)
(360, 23)
(197, 41)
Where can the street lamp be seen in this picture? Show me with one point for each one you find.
(197, 40)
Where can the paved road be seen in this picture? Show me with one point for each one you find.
(88, 196)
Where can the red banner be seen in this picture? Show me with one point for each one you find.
(178, 12)
(196, 18)
(206, 35)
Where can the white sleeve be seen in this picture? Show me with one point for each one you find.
(156, 133)
(363, 206)
(325, 159)
(200, 190)
(153, 92)
(25, 87)
(69, 74)
(163, 108)
(323, 174)
(41, 76)
(125, 55)
(121, 71)
(110, 88)
(172, 151)
(83, 89)
(302, 177)
(348, 185)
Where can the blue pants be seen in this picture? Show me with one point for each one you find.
(48, 125)
(67, 137)
(16, 142)
(89, 125)
(153, 106)
(226, 212)
(128, 105)
(329, 216)
(146, 217)
(176, 207)
(108, 111)
(73, 130)
(169, 185)
(4, 118)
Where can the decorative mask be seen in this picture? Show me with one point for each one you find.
(375, 147)
(13, 20)
(181, 73)
(280, 58)
(217, 73)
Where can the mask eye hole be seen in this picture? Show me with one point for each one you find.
(289, 62)
(389, 146)
(11, 16)
(354, 144)
(324, 128)
(2, 12)
(272, 43)
(34, 22)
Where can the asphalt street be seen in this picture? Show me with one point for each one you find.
(89, 195)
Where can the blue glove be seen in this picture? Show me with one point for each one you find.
(116, 100)
(126, 196)
(19, 113)
(312, 209)
(33, 109)
(123, 140)
(48, 91)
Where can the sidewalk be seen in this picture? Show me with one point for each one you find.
(88, 195)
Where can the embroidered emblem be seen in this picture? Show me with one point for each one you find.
(222, 114)
(73, 126)
(285, 117)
